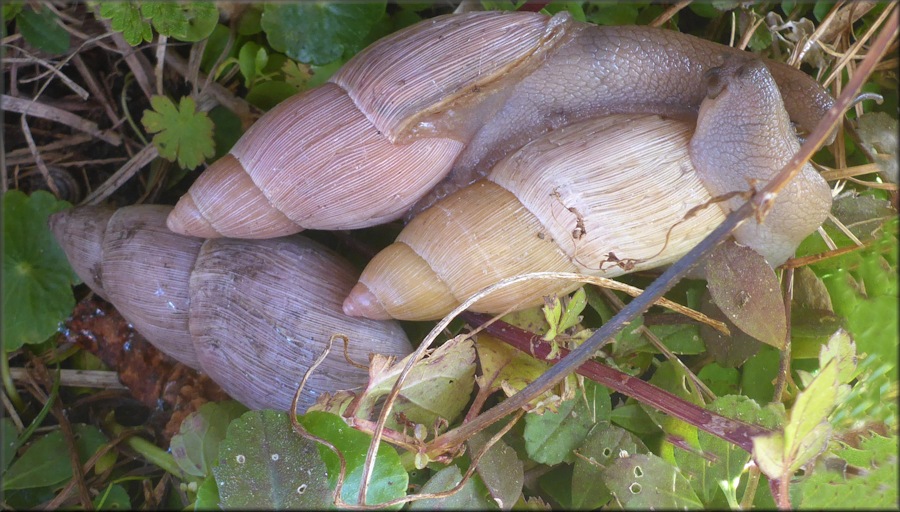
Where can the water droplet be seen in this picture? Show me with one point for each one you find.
(240, 459)
(275, 456)
(301, 489)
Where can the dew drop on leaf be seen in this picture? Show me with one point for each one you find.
(241, 459)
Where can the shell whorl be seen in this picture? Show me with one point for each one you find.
(575, 200)
(253, 314)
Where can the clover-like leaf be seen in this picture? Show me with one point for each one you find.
(196, 446)
(182, 133)
(37, 291)
(187, 21)
(125, 17)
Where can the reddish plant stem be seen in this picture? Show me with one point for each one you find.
(733, 431)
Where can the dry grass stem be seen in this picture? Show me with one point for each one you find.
(35, 109)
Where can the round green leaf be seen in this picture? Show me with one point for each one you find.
(319, 33)
(264, 464)
(389, 479)
(37, 278)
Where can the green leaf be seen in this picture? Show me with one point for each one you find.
(645, 481)
(264, 464)
(388, 480)
(440, 386)
(319, 33)
(500, 469)
(46, 461)
(207, 495)
(37, 291)
(42, 31)
(227, 131)
(181, 133)
(187, 21)
(603, 445)
(266, 95)
(126, 18)
(115, 497)
(551, 437)
(252, 58)
(196, 446)
(9, 439)
(466, 499)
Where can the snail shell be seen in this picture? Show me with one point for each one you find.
(252, 314)
(453, 94)
(601, 197)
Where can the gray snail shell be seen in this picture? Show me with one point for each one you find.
(253, 315)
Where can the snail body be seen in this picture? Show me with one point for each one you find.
(252, 314)
(453, 94)
(603, 197)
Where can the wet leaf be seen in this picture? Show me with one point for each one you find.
(389, 479)
(645, 481)
(187, 21)
(37, 293)
(196, 446)
(264, 464)
(746, 289)
(551, 437)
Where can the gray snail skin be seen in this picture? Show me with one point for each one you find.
(603, 197)
(253, 314)
(450, 95)
(743, 138)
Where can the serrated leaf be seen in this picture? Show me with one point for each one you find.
(645, 481)
(187, 21)
(746, 289)
(126, 18)
(466, 499)
(574, 306)
(37, 293)
(551, 437)
(319, 33)
(46, 461)
(196, 446)
(604, 444)
(389, 479)
(264, 464)
(42, 31)
(182, 133)
(500, 469)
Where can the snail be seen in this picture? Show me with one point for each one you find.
(452, 94)
(253, 314)
(603, 197)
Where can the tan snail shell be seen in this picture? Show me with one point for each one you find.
(601, 197)
(252, 314)
(454, 93)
